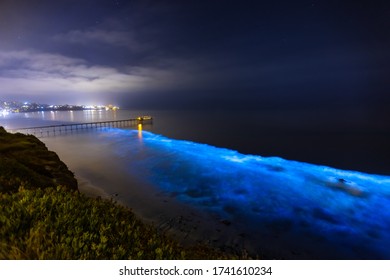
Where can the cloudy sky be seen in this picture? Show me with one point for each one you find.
(215, 54)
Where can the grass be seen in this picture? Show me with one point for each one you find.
(55, 223)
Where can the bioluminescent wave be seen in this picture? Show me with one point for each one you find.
(312, 210)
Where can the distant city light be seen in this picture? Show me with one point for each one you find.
(7, 107)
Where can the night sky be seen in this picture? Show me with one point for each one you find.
(218, 55)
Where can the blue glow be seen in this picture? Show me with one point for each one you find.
(323, 211)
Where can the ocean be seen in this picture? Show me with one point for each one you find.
(342, 139)
(241, 181)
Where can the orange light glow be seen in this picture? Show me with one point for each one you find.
(140, 131)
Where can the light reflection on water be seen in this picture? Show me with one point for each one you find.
(140, 131)
(19, 120)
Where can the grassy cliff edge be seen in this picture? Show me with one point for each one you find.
(26, 161)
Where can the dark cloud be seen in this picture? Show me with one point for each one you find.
(197, 54)
(56, 77)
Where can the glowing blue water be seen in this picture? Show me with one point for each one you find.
(323, 211)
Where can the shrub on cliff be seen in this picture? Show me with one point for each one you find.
(60, 224)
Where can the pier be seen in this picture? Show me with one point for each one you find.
(50, 130)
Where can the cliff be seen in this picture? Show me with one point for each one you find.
(26, 161)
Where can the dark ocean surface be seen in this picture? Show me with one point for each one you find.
(342, 139)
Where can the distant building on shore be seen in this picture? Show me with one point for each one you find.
(7, 107)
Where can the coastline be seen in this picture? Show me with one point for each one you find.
(37, 212)
(182, 222)
(104, 174)
(191, 227)
(90, 190)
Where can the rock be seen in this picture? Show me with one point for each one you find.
(348, 187)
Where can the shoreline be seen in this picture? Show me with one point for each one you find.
(62, 200)
(104, 174)
(182, 222)
(90, 190)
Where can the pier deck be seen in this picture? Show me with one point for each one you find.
(49, 130)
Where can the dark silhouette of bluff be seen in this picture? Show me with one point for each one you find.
(26, 162)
